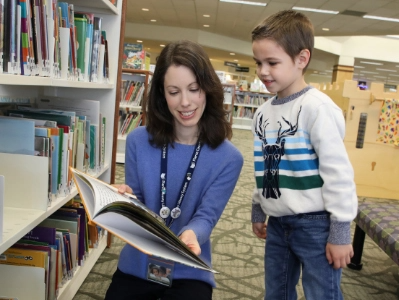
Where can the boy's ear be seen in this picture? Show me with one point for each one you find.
(303, 58)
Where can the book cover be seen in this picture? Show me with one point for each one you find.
(24, 38)
(129, 219)
(60, 119)
(96, 42)
(41, 234)
(81, 25)
(17, 136)
(42, 146)
(55, 160)
(75, 212)
(133, 56)
(24, 257)
(1, 34)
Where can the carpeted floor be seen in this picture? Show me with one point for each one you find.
(238, 254)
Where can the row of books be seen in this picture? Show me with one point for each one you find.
(49, 38)
(132, 92)
(250, 98)
(244, 112)
(59, 245)
(128, 121)
(49, 128)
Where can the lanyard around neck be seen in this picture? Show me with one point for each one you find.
(165, 211)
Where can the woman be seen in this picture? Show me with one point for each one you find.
(186, 131)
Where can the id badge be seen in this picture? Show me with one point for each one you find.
(160, 271)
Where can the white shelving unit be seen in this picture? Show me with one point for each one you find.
(132, 75)
(229, 97)
(23, 210)
(245, 105)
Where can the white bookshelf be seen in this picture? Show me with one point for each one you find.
(245, 105)
(23, 213)
(131, 75)
(229, 97)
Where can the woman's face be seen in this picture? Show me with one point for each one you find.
(186, 101)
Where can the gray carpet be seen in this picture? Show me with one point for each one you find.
(238, 254)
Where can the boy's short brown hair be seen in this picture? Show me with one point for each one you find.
(292, 30)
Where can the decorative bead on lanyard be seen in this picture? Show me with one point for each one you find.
(176, 212)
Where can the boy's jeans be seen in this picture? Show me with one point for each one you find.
(300, 241)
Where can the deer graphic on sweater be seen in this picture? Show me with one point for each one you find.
(272, 153)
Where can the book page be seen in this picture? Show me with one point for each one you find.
(104, 195)
(95, 193)
(146, 242)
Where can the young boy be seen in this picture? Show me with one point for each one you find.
(304, 180)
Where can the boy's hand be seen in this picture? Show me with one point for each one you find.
(190, 239)
(339, 255)
(259, 229)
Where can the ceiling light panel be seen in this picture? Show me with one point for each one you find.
(371, 63)
(322, 11)
(368, 72)
(245, 2)
(381, 18)
(386, 70)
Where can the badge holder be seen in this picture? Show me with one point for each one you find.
(160, 271)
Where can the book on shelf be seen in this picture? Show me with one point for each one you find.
(133, 56)
(81, 35)
(130, 220)
(17, 136)
(51, 39)
(95, 55)
(16, 256)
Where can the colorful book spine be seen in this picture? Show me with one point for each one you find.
(24, 39)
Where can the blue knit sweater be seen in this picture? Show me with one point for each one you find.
(210, 188)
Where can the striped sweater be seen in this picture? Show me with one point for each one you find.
(300, 161)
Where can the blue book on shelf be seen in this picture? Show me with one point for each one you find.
(17, 136)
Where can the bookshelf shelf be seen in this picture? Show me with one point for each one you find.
(96, 5)
(20, 214)
(18, 221)
(38, 81)
(130, 107)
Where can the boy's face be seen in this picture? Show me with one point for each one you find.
(276, 69)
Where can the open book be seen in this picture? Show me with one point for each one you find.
(129, 219)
